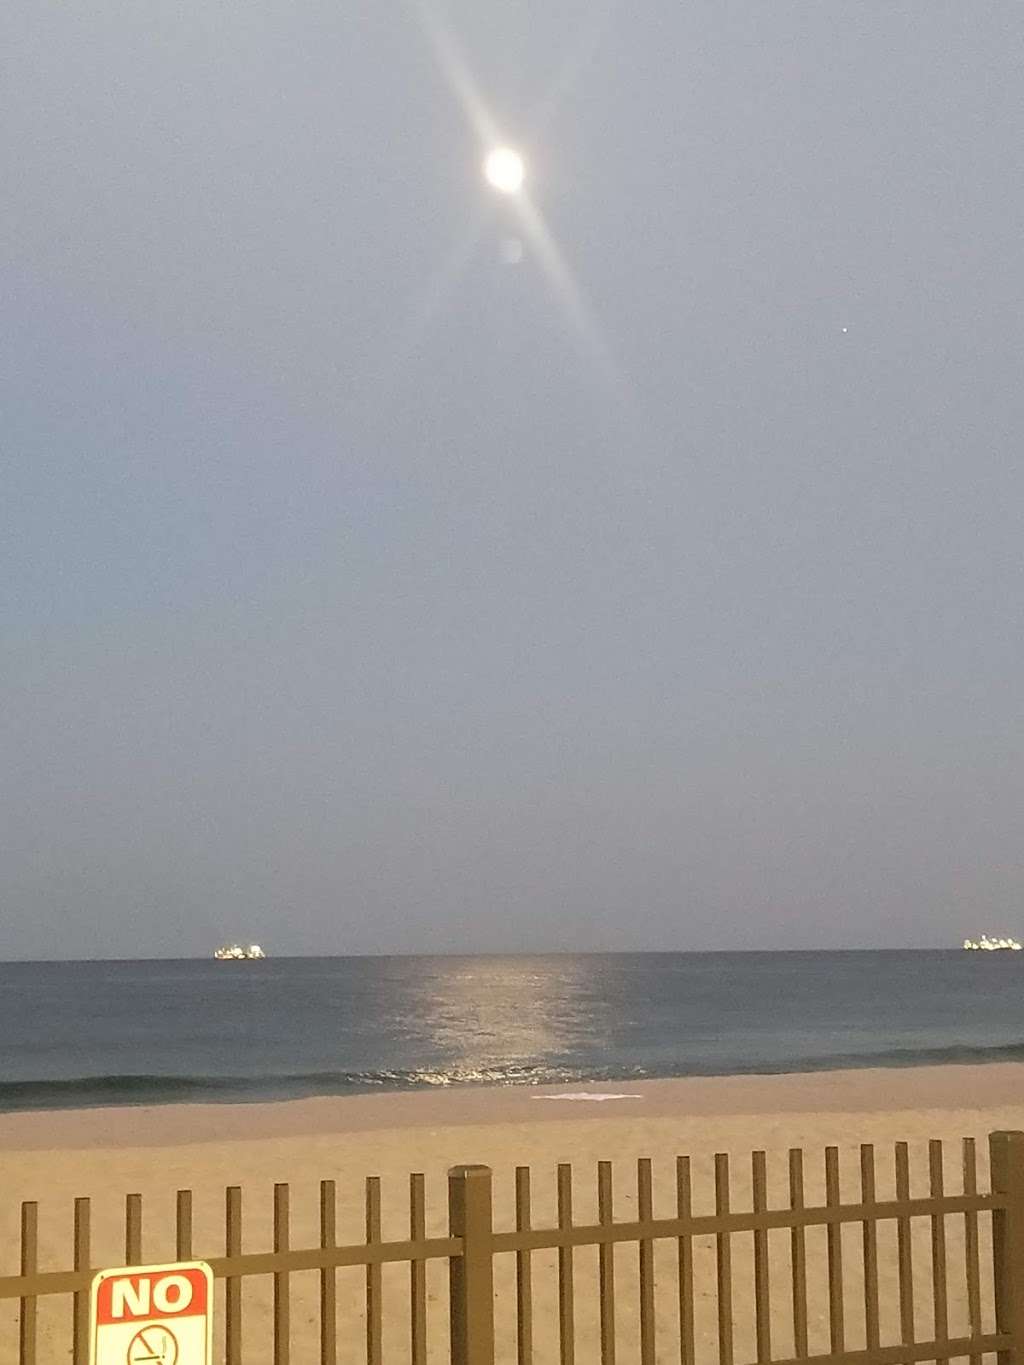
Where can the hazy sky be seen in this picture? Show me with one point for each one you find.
(360, 594)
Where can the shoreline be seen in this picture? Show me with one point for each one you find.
(975, 1087)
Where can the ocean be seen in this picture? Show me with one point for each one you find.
(100, 1033)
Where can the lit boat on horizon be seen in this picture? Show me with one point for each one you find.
(237, 952)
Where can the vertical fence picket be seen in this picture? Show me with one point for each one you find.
(566, 1304)
(233, 1283)
(723, 1260)
(904, 1247)
(1006, 1154)
(133, 1229)
(972, 1257)
(870, 1246)
(471, 1274)
(645, 1212)
(80, 1305)
(684, 1254)
(834, 1255)
(417, 1273)
(940, 1310)
(374, 1277)
(328, 1276)
(606, 1263)
(798, 1253)
(762, 1282)
(29, 1266)
(524, 1271)
(183, 1225)
(282, 1298)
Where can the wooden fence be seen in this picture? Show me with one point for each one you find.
(984, 1281)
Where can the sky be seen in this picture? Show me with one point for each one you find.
(365, 590)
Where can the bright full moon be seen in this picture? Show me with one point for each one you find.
(505, 169)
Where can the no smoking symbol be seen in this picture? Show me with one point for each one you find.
(153, 1346)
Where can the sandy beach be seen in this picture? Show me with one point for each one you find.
(107, 1153)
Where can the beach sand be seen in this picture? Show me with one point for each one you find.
(105, 1154)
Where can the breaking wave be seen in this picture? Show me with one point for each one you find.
(104, 1091)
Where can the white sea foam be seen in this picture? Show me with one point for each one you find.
(596, 1096)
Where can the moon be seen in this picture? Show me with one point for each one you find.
(505, 170)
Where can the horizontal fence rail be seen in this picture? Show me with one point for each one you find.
(830, 1293)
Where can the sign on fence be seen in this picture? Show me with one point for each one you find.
(161, 1315)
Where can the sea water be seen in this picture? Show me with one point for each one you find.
(77, 1033)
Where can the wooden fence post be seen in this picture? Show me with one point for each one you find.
(471, 1275)
(1006, 1156)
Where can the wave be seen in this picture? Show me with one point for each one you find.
(142, 1089)
(99, 1091)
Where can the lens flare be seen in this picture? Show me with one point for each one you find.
(505, 170)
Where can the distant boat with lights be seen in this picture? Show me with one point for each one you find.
(991, 945)
(238, 952)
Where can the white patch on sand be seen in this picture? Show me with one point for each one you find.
(597, 1096)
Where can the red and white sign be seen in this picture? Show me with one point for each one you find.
(160, 1315)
